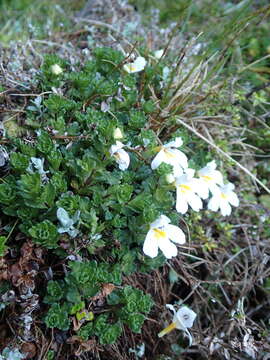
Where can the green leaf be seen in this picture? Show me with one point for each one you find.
(137, 119)
(44, 143)
(86, 331)
(3, 247)
(7, 194)
(110, 334)
(55, 292)
(55, 159)
(19, 161)
(135, 322)
(140, 202)
(57, 317)
(48, 195)
(30, 188)
(45, 233)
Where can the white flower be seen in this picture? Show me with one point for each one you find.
(223, 198)
(136, 66)
(120, 155)
(56, 69)
(183, 319)
(209, 177)
(159, 236)
(172, 156)
(187, 188)
(158, 54)
(117, 134)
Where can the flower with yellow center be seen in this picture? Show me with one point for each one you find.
(183, 319)
(120, 155)
(223, 198)
(56, 69)
(187, 188)
(172, 156)
(160, 235)
(136, 66)
(209, 178)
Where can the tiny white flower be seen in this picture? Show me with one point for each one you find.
(209, 177)
(172, 156)
(158, 54)
(160, 235)
(117, 134)
(120, 155)
(223, 198)
(187, 188)
(56, 69)
(136, 66)
(183, 319)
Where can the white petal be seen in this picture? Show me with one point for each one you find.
(177, 142)
(228, 187)
(164, 220)
(181, 179)
(186, 316)
(179, 157)
(202, 189)
(116, 147)
(214, 203)
(158, 159)
(211, 165)
(181, 202)
(150, 246)
(218, 177)
(214, 189)
(175, 234)
(189, 173)
(225, 208)
(171, 307)
(123, 160)
(177, 171)
(195, 202)
(160, 222)
(168, 248)
(140, 63)
(233, 198)
(128, 68)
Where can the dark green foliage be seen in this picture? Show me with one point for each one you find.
(69, 166)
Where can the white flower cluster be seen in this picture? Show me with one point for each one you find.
(190, 192)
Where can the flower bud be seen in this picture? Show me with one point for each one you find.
(158, 54)
(117, 134)
(56, 69)
(170, 178)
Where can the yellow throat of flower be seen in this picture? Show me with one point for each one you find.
(184, 188)
(208, 178)
(168, 329)
(224, 196)
(168, 154)
(131, 67)
(159, 234)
